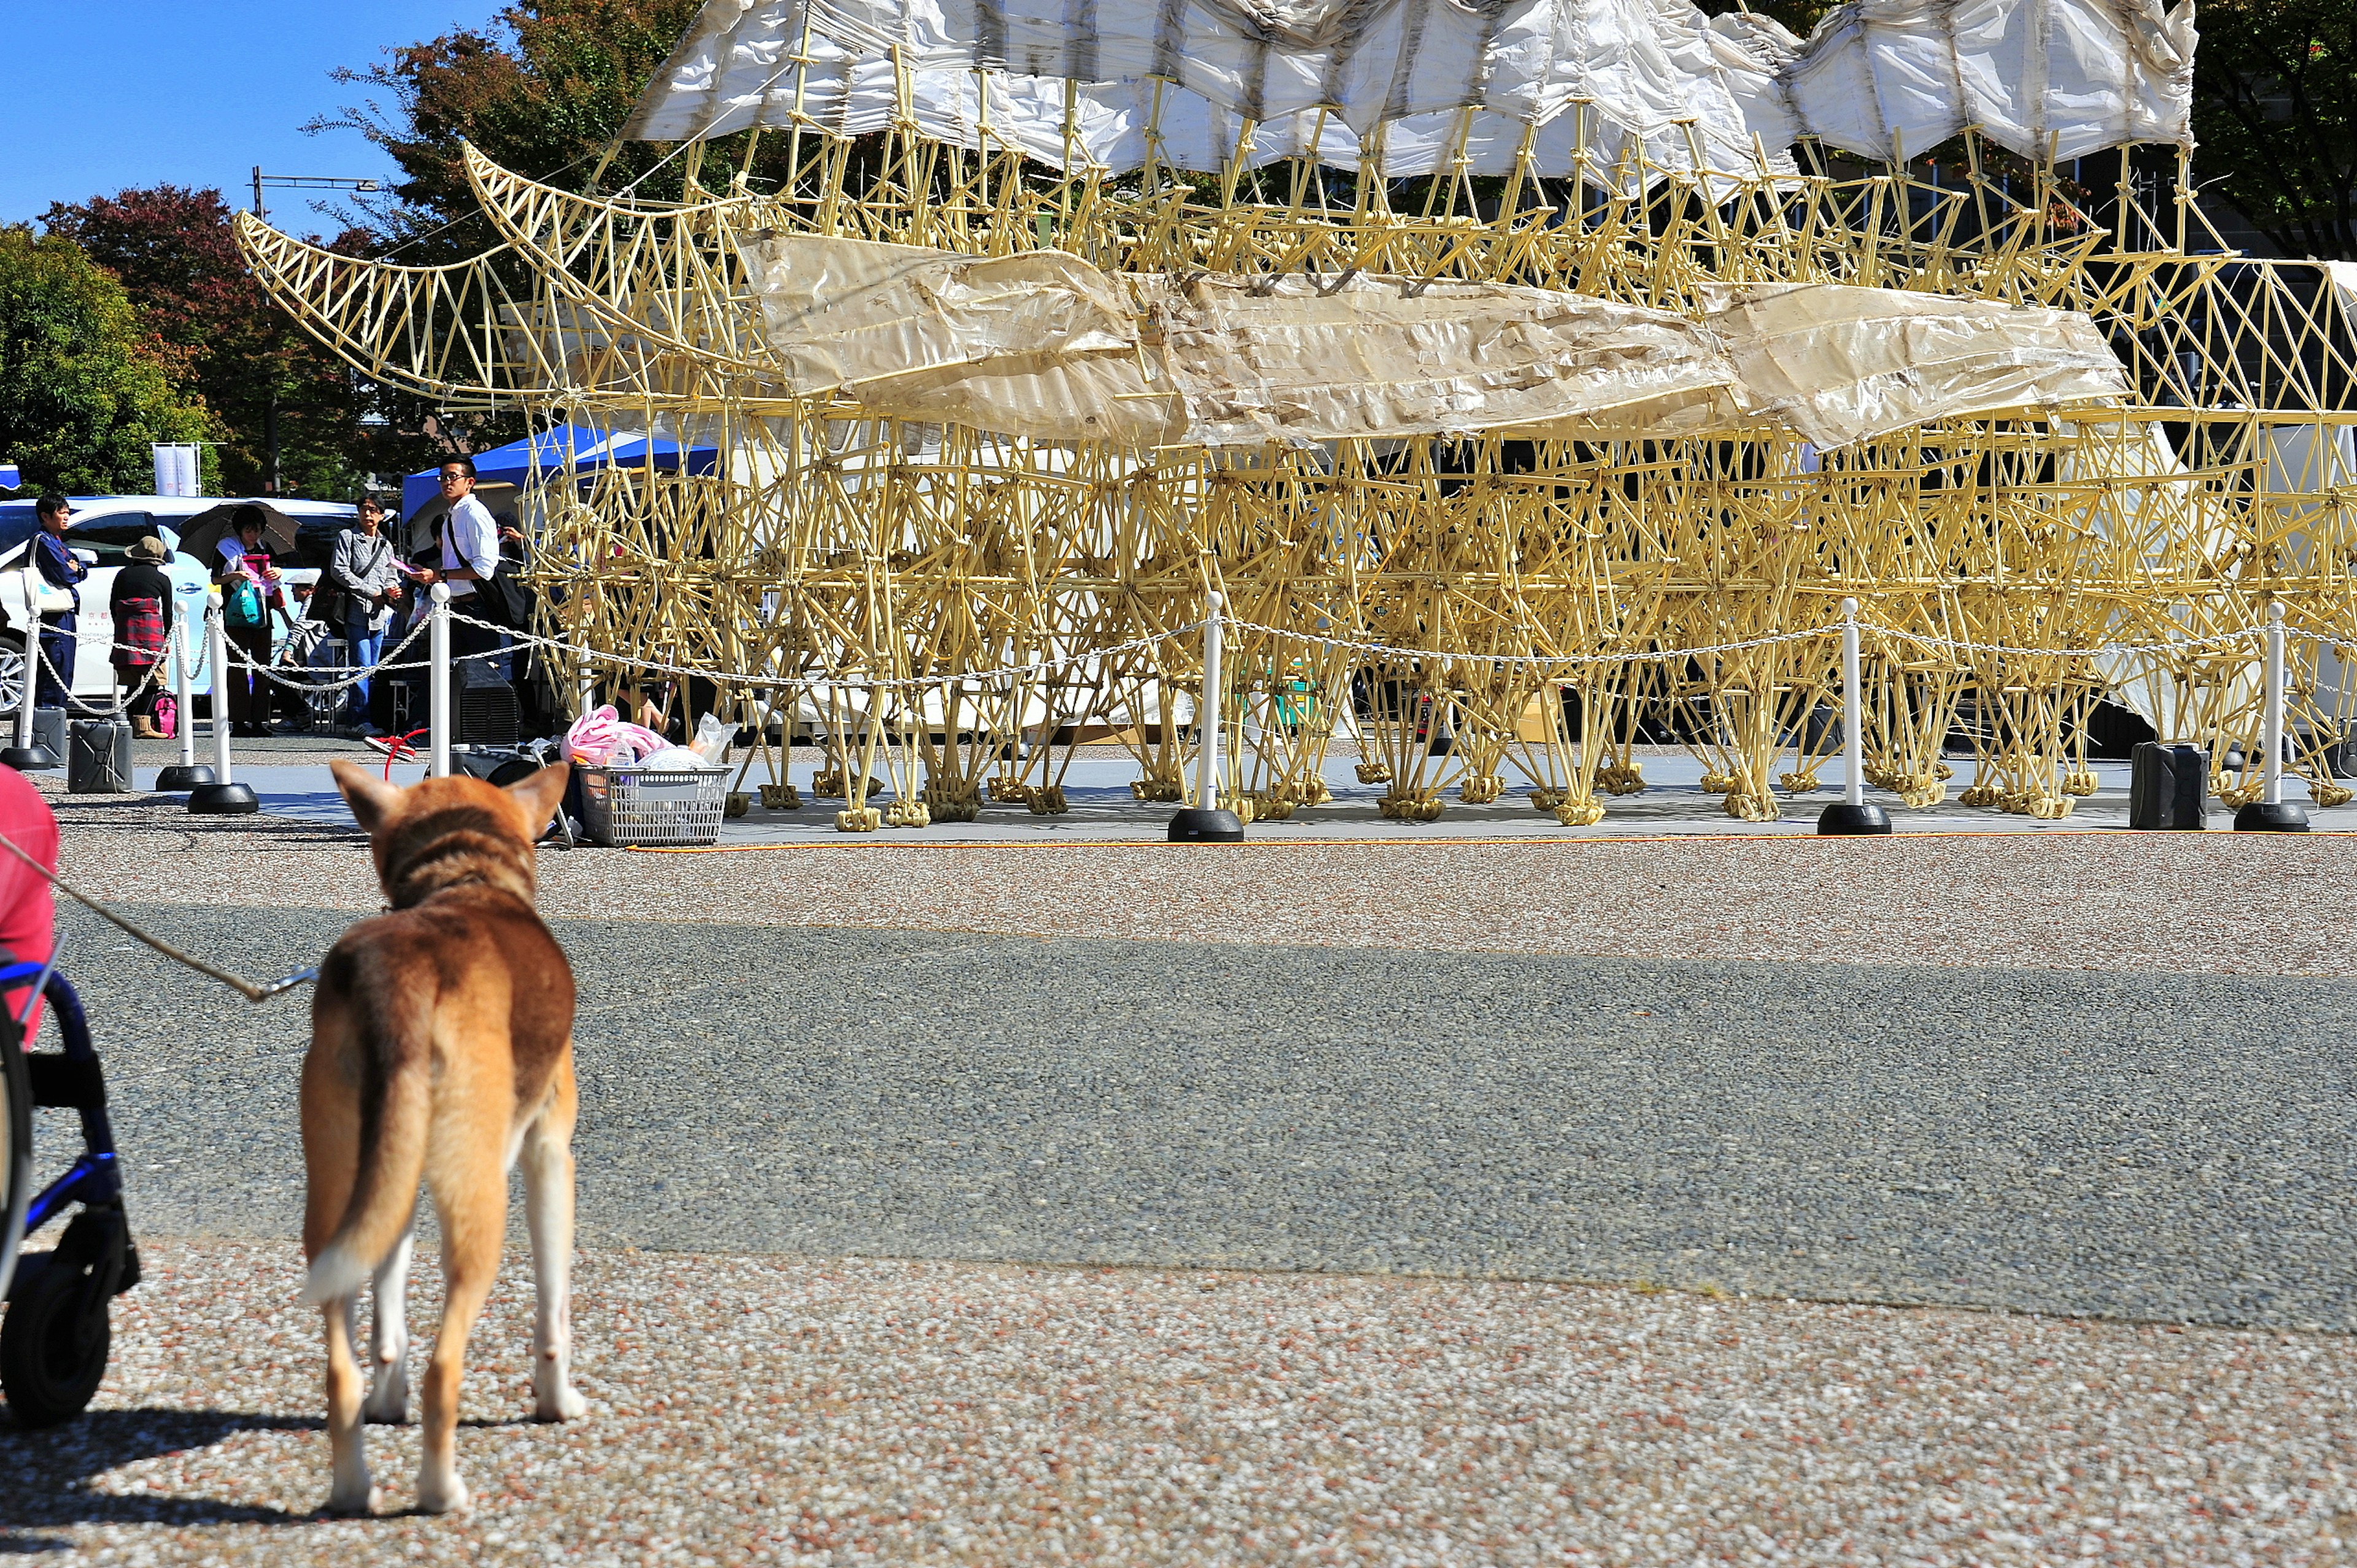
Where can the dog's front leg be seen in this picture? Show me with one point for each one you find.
(388, 1399)
(351, 1492)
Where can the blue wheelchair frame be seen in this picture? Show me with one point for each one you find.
(94, 1178)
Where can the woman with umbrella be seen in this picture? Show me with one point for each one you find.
(249, 582)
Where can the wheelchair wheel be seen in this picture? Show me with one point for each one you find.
(16, 1147)
(54, 1343)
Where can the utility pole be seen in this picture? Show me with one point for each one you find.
(261, 215)
(304, 182)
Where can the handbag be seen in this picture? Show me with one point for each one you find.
(242, 605)
(330, 606)
(48, 599)
(503, 601)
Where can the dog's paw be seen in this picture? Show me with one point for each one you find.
(438, 1495)
(358, 1502)
(566, 1404)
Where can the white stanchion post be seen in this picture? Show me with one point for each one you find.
(2271, 787)
(184, 698)
(188, 773)
(24, 755)
(2271, 813)
(437, 684)
(1204, 822)
(1853, 711)
(217, 641)
(1851, 815)
(224, 796)
(1207, 715)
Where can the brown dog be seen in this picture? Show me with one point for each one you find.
(441, 1050)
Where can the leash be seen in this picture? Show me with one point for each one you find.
(250, 990)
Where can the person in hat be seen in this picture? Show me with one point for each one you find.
(141, 603)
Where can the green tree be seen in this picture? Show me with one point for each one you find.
(2275, 110)
(542, 91)
(84, 388)
(268, 384)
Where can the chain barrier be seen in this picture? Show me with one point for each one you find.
(1530, 661)
(1004, 673)
(352, 674)
(120, 700)
(2101, 650)
(310, 679)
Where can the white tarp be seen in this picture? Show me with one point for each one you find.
(1046, 346)
(1842, 364)
(1887, 78)
(1431, 82)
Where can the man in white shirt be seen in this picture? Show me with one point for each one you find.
(470, 555)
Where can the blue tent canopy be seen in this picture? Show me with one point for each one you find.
(580, 448)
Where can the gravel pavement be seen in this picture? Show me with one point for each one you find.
(2133, 902)
(783, 1411)
(863, 1123)
(2163, 1148)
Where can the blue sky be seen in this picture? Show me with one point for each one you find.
(103, 94)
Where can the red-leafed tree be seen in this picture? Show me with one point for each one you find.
(267, 384)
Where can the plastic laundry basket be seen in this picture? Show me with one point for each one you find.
(627, 806)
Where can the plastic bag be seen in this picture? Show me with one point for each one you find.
(712, 741)
(605, 739)
(678, 759)
(167, 717)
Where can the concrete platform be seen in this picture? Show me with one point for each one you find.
(1102, 809)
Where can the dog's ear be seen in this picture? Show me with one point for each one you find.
(539, 795)
(373, 799)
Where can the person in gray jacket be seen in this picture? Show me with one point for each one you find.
(363, 566)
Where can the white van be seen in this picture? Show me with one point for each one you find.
(103, 529)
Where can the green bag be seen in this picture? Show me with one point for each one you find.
(241, 603)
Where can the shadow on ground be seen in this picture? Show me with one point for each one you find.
(45, 1476)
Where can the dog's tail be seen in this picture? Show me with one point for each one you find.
(397, 1112)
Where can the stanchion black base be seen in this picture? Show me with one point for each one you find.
(1843, 819)
(182, 776)
(2282, 817)
(29, 758)
(1195, 825)
(223, 800)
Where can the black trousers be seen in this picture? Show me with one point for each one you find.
(249, 694)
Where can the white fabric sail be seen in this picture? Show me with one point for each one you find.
(1046, 346)
(1424, 84)
(1887, 79)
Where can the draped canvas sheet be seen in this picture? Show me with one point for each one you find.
(1046, 346)
(1433, 79)
(1841, 364)
(1887, 78)
(1430, 82)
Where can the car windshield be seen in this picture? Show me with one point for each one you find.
(110, 537)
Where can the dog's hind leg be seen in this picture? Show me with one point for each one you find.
(548, 1213)
(352, 1491)
(330, 1144)
(468, 1179)
(388, 1399)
